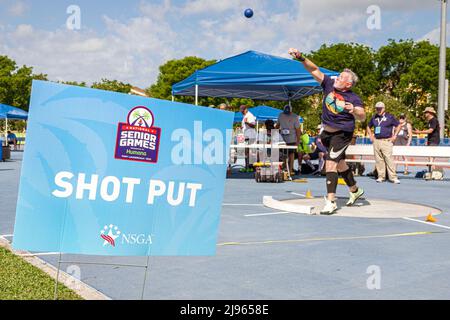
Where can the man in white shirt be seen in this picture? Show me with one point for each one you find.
(248, 128)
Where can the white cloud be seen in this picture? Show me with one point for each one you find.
(19, 8)
(23, 30)
(207, 6)
(132, 50)
(434, 36)
(333, 6)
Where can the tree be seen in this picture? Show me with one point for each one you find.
(174, 71)
(112, 85)
(357, 57)
(15, 83)
(75, 83)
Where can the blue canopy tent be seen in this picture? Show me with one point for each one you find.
(262, 113)
(8, 112)
(252, 75)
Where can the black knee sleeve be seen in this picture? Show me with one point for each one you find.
(348, 178)
(332, 181)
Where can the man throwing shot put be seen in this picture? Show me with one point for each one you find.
(340, 108)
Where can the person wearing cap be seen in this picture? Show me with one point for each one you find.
(289, 125)
(340, 108)
(248, 128)
(404, 136)
(433, 127)
(433, 138)
(386, 128)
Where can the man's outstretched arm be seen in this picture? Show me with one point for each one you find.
(309, 65)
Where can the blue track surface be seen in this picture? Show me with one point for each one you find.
(317, 257)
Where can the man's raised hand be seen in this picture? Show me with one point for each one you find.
(295, 53)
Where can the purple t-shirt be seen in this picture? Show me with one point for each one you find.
(384, 125)
(333, 112)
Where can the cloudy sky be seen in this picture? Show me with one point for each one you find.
(128, 40)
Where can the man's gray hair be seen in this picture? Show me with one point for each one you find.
(354, 78)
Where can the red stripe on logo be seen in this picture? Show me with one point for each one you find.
(109, 240)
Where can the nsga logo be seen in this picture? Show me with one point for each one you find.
(138, 140)
(110, 234)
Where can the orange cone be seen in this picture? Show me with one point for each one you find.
(309, 195)
(430, 218)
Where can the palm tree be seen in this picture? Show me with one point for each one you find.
(140, 118)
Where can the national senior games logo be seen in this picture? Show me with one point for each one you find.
(138, 140)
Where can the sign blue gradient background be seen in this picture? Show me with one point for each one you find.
(74, 129)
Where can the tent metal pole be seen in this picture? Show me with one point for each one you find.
(6, 128)
(196, 94)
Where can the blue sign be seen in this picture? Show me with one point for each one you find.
(106, 173)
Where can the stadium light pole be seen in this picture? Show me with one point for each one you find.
(442, 68)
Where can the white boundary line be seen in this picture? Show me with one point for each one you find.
(266, 214)
(429, 223)
(298, 194)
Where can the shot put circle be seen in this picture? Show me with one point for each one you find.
(363, 208)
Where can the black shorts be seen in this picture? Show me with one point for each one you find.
(336, 144)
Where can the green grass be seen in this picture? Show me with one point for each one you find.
(20, 280)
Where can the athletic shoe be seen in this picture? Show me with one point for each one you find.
(396, 181)
(330, 207)
(354, 196)
(379, 180)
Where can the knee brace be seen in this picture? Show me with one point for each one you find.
(332, 181)
(348, 178)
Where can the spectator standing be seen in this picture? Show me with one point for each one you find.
(433, 138)
(404, 137)
(386, 127)
(248, 128)
(433, 127)
(289, 125)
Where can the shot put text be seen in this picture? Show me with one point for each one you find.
(110, 188)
